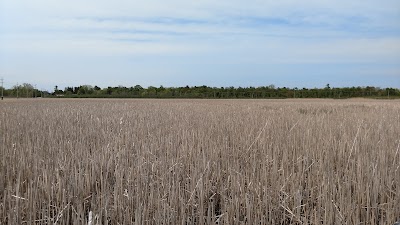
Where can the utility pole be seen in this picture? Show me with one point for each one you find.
(17, 90)
(35, 90)
(2, 88)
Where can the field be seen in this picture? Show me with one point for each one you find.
(199, 161)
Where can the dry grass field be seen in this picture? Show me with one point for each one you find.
(199, 161)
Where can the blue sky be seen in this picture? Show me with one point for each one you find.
(218, 43)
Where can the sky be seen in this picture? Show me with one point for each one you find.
(287, 43)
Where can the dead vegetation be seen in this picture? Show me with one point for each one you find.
(199, 162)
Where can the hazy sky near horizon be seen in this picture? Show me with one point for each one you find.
(290, 43)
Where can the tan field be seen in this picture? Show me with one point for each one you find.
(199, 161)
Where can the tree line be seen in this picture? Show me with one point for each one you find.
(137, 91)
(24, 90)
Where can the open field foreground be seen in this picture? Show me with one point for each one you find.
(199, 161)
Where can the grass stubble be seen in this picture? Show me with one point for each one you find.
(199, 161)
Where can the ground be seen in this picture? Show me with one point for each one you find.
(148, 161)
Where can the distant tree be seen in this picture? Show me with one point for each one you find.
(57, 91)
(85, 90)
(76, 90)
(327, 86)
(152, 91)
(27, 90)
(109, 90)
(69, 90)
(138, 87)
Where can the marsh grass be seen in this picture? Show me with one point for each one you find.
(199, 162)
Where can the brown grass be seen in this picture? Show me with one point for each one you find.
(199, 161)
